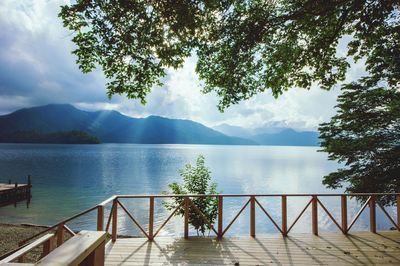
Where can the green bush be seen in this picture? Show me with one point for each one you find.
(196, 180)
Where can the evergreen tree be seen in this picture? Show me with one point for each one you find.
(364, 135)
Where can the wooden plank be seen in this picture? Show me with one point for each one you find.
(16, 264)
(398, 210)
(255, 195)
(47, 247)
(69, 230)
(186, 218)
(27, 248)
(269, 217)
(358, 214)
(169, 217)
(299, 215)
(252, 216)
(76, 249)
(204, 217)
(151, 217)
(100, 218)
(298, 249)
(111, 199)
(343, 205)
(133, 219)
(372, 214)
(60, 234)
(284, 215)
(96, 258)
(314, 215)
(236, 216)
(114, 220)
(220, 216)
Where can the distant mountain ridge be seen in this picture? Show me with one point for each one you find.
(63, 137)
(288, 137)
(238, 131)
(113, 127)
(272, 135)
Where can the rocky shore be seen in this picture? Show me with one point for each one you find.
(12, 234)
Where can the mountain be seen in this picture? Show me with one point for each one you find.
(288, 137)
(272, 134)
(113, 127)
(234, 131)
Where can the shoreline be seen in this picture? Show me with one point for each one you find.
(12, 234)
(25, 225)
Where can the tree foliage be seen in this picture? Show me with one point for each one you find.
(196, 180)
(242, 47)
(365, 136)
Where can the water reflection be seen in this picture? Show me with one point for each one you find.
(70, 178)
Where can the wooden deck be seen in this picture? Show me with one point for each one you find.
(363, 248)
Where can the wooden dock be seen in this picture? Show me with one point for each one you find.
(345, 247)
(360, 248)
(13, 193)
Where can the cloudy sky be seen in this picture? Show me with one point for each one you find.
(37, 68)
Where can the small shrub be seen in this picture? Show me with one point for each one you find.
(196, 180)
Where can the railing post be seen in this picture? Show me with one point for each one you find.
(47, 246)
(314, 214)
(60, 234)
(344, 213)
(398, 210)
(100, 217)
(284, 215)
(114, 220)
(15, 194)
(28, 191)
(21, 259)
(372, 214)
(186, 218)
(252, 216)
(151, 218)
(220, 216)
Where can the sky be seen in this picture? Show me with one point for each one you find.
(37, 68)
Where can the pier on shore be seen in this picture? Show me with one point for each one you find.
(11, 193)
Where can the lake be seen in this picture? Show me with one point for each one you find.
(70, 178)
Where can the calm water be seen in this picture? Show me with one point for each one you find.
(71, 178)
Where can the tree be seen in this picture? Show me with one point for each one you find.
(246, 47)
(365, 136)
(196, 180)
(242, 47)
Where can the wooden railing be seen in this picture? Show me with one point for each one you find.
(253, 202)
(55, 237)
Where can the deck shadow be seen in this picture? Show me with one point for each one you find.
(277, 250)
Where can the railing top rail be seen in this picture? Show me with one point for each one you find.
(59, 223)
(251, 195)
(110, 199)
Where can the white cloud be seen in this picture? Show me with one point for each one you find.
(36, 67)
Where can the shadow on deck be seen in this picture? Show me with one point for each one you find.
(301, 249)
